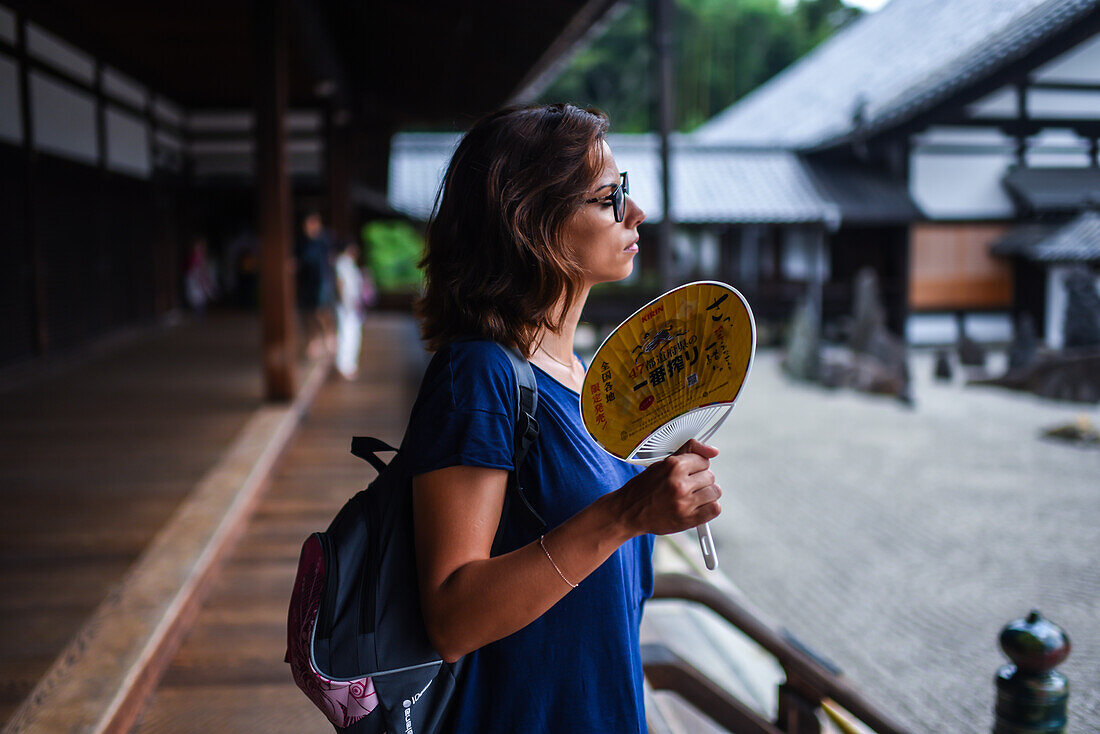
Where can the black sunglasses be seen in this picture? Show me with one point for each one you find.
(617, 197)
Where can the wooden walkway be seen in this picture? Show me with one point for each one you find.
(94, 459)
(103, 467)
(229, 674)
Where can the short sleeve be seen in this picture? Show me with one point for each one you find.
(464, 412)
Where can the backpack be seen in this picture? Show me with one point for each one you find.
(356, 641)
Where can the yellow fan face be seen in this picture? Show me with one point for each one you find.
(688, 349)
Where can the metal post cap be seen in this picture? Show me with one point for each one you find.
(1035, 644)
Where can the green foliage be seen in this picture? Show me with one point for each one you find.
(393, 248)
(723, 50)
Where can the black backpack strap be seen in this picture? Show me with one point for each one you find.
(367, 448)
(527, 428)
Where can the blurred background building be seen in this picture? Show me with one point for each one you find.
(126, 131)
(943, 144)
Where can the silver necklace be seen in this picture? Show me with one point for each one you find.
(567, 365)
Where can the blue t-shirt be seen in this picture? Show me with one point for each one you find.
(577, 668)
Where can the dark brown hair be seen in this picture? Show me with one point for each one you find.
(495, 262)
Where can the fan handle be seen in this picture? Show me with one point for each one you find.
(706, 543)
(701, 423)
(706, 540)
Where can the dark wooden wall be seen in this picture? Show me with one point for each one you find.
(101, 246)
(16, 274)
(885, 249)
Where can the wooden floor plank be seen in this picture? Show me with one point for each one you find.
(241, 708)
(229, 674)
(102, 678)
(94, 461)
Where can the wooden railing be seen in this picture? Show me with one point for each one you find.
(810, 684)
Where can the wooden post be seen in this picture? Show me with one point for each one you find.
(39, 302)
(798, 708)
(1022, 114)
(273, 225)
(661, 19)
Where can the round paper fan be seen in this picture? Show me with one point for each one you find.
(670, 372)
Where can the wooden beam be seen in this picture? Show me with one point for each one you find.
(667, 671)
(273, 226)
(1011, 126)
(813, 679)
(1065, 86)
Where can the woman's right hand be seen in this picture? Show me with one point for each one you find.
(676, 493)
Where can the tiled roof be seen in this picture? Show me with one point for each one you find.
(715, 184)
(1054, 189)
(1023, 237)
(888, 66)
(1078, 241)
(710, 184)
(863, 196)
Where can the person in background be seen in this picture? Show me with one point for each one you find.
(200, 285)
(349, 315)
(316, 287)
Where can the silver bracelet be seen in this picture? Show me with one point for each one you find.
(543, 546)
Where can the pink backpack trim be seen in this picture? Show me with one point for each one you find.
(343, 701)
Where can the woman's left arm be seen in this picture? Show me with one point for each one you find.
(469, 598)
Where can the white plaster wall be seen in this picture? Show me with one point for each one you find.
(1042, 102)
(685, 248)
(124, 89)
(64, 119)
(1079, 64)
(127, 144)
(1001, 103)
(989, 327)
(7, 25)
(1063, 104)
(167, 112)
(960, 185)
(708, 252)
(936, 329)
(803, 255)
(924, 329)
(237, 157)
(50, 49)
(1056, 305)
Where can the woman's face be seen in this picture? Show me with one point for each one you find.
(604, 248)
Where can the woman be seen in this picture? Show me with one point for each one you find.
(533, 213)
(349, 316)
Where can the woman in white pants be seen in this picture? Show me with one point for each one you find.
(349, 320)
